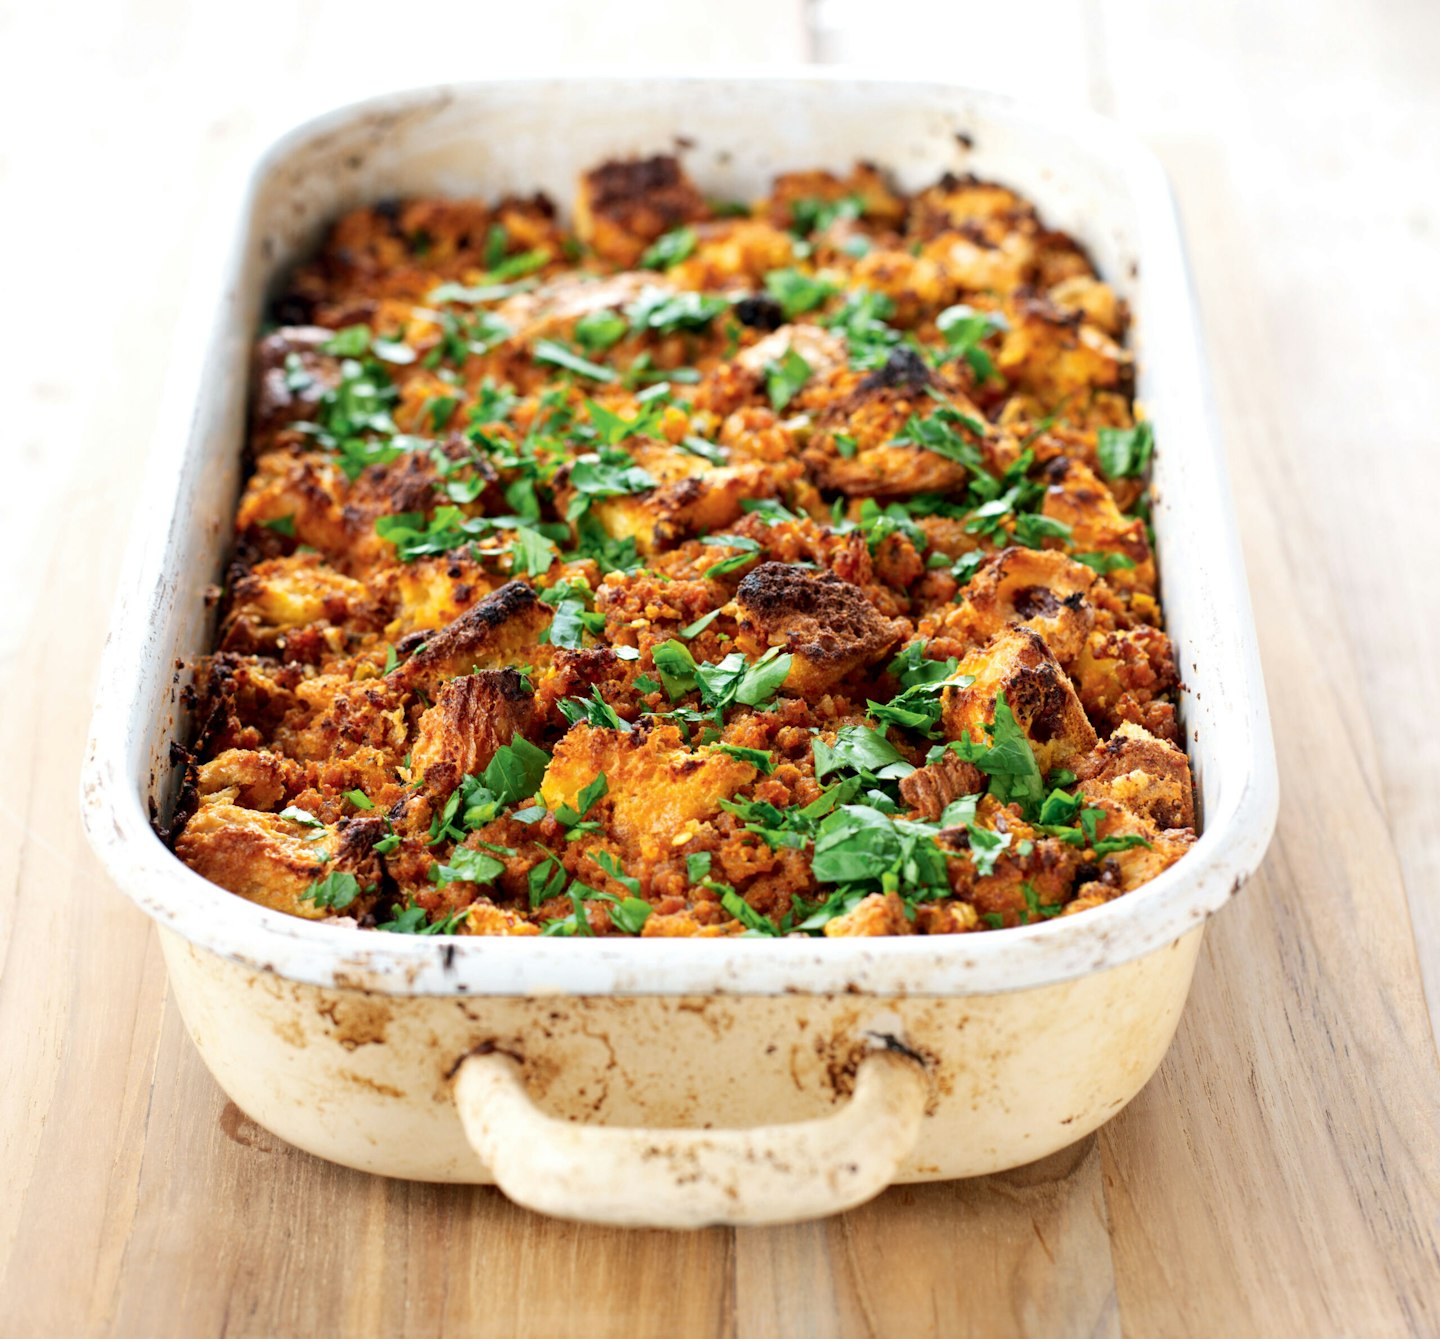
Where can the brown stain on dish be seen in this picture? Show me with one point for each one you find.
(289, 1031)
(371, 1085)
(357, 1020)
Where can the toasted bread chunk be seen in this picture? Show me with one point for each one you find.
(254, 778)
(656, 787)
(485, 918)
(1146, 775)
(624, 205)
(273, 860)
(1017, 662)
(291, 375)
(1078, 496)
(500, 630)
(878, 914)
(282, 595)
(473, 716)
(877, 200)
(829, 626)
(1126, 674)
(1039, 588)
(700, 501)
(1055, 354)
(955, 203)
(864, 444)
(821, 349)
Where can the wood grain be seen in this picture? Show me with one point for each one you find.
(1280, 1176)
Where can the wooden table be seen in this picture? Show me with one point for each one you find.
(1279, 1176)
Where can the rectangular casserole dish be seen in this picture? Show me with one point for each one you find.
(678, 1083)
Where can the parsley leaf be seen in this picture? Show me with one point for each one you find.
(595, 711)
(1007, 760)
(698, 446)
(545, 880)
(337, 890)
(858, 748)
(1105, 563)
(797, 292)
(531, 553)
(596, 331)
(693, 630)
(753, 921)
(573, 615)
(862, 321)
(749, 550)
(785, 378)
(571, 817)
(556, 354)
(1034, 907)
(942, 433)
(665, 312)
(812, 214)
(759, 758)
(414, 920)
(669, 249)
(859, 844)
(964, 328)
(610, 473)
(467, 865)
(1125, 452)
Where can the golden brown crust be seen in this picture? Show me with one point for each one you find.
(626, 204)
(494, 632)
(828, 625)
(474, 715)
(1017, 662)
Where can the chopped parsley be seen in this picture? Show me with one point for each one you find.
(574, 617)
(785, 378)
(595, 711)
(670, 249)
(336, 891)
(861, 319)
(1125, 452)
(758, 758)
(609, 473)
(1105, 563)
(945, 433)
(811, 214)
(664, 312)
(467, 865)
(415, 920)
(556, 354)
(747, 551)
(1008, 760)
(964, 329)
(797, 292)
(596, 331)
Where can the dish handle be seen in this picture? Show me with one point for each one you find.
(690, 1178)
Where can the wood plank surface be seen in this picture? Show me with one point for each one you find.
(1279, 1176)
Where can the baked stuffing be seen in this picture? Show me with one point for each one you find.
(712, 569)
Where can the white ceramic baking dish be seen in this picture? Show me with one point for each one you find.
(675, 1082)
